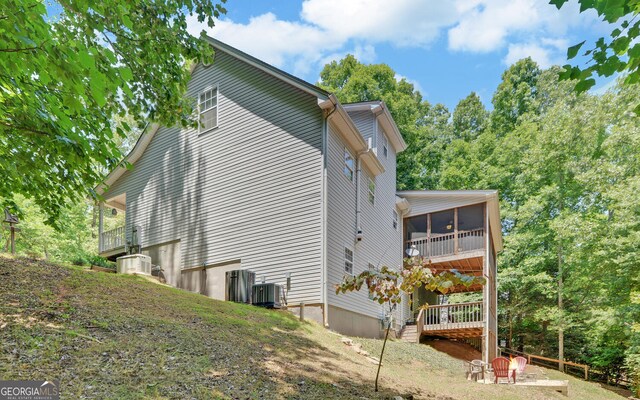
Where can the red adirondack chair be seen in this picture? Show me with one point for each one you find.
(500, 367)
(522, 363)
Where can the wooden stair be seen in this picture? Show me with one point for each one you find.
(409, 334)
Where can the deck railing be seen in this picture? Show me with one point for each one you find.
(436, 245)
(453, 316)
(112, 239)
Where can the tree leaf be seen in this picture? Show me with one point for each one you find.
(585, 85)
(573, 50)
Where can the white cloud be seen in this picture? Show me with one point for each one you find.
(401, 22)
(487, 25)
(541, 55)
(416, 84)
(323, 34)
(546, 52)
(272, 40)
(327, 30)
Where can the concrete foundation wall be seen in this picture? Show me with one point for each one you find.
(311, 312)
(168, 256)
(209, 280)
(215, 282)
(354, 324)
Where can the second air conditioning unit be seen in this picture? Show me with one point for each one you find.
(266, 295)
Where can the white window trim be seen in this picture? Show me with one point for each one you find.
(396, 217)
(217, 107)
(372, 194)
(351, 169)
(347, 261)
(385, 145)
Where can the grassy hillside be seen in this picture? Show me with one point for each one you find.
(108, 336)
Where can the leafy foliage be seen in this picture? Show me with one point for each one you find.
(567, 170)
(65, 77)
(618, 53)
(424, 127)
(389, 286)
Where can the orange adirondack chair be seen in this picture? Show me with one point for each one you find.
(500, 367)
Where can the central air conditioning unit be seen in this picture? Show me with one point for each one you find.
(266, 295)
(134, 264)
(238, 285)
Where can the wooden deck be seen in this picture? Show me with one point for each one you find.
(455, 333)
(453, 321)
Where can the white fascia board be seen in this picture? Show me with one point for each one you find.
(133, 156)
(372, 162)
(269, 69)
(446, 193)
(390, 127)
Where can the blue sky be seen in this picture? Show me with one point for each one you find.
(446, 48)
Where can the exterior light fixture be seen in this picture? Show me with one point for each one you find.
(412, 251)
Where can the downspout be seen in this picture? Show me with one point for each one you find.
(358, 210)
(325, 145)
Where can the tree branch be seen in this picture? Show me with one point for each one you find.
(24, 129)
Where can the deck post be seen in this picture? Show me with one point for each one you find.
(455, 230)
(100, 226)
(428, 247)
(486, 289)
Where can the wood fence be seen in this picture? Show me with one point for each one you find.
(545, 361)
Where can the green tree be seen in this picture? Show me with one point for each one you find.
(618, 53)
(425, 128)
(389, 286)
(515, 96)
(470, 118)
(65, 77)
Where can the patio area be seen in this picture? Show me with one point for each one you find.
(532, 376)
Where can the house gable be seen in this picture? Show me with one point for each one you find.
(249, 189)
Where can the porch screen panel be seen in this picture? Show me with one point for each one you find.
(442, 233)
(417, 234)
(471, 227)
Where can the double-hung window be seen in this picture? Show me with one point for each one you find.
(348, 261)
(348, 165)
(208, 109)
(385, 145)
(372, 191)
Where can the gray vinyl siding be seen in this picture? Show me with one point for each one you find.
(250, 189)
(364, 121)
(382, 244)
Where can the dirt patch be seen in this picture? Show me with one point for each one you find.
(459, 350)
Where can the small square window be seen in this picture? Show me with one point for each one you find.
(348, 165)
(372, 191)
(348, 260)
(385, 145)
(395, 220)
(208, 110)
